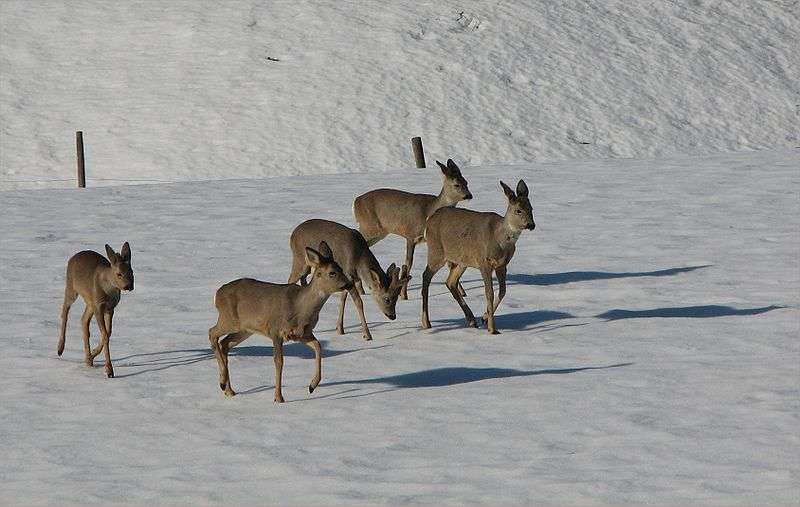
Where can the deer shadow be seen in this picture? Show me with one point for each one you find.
(157, 361)
(685, 312)
(515, 321)
(450, 376)
(545, 279)
(587, 276)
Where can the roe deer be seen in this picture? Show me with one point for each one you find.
(281, 312)
(352, 253)
(98, 281)
(465, 238)
(386, 211)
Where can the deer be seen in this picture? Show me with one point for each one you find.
(387, 211)
(281, 312)
(357, 261)
(99, 281)
(464, 238)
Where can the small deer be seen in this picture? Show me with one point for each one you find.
(282, 312)
(99, 282)
(464, 238)
(357, 261)
(386, 211)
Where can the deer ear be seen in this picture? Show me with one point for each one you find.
(314, 258)
(509, 193)
(522, 189)
(125, 252)
(454, 170)
(442, 167)
(391, 269)
(325, 250)
(112, 256)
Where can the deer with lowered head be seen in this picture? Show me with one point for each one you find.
(281, 312)
(352, 253)
(464, 238)
(99, 281)
(387, 211)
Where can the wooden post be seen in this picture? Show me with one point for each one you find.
(419, 154)
(81, 168)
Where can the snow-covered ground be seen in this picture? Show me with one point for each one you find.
(192, 90)
(649, 352)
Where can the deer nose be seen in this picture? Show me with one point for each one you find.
(392, 316)
(531, 226)
(129, 286)
(347, 286)
(468, 196)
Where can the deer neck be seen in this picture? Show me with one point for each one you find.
(105, 281)
(505, 233)
(311, 297)
(367, 263)
(441, 201)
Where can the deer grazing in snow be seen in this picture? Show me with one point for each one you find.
(99, 281)
(386, 211)
(465, 238)
(352, 253)
(282, 312)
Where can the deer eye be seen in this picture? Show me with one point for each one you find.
(519, 212)
(331, 274)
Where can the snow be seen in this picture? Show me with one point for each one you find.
(186, 90)
(649, 352)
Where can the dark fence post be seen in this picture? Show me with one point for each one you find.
(81, 168)
(419, 155)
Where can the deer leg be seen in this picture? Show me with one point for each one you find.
(452, 283)
(213, 337)
(501, 293)
(69, 298)
(340, 322)
(360, 287)
(315, 346)
(360, 308)
(410, 245)
(225, 345)
(427, 276)
(277, 356)
(489, 291)
(100, 317)
(461, 290)
(86, 320)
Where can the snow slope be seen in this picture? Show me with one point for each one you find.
(191, 90)
(649, 353)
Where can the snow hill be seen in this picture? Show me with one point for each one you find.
(186, 90)
(649, 352)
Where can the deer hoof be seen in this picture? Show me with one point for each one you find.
(310, 389)
(279, 399)
(230, 392)
(110, 373)
(472, 323)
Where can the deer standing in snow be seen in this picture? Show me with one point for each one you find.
(281, 312)
(387, 211)
(352, 253)
(464, 238)
(99, 281)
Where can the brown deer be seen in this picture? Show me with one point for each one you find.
(464, 238)
(282, 312)
(357, 261)
(99, 282)
(386, 211)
